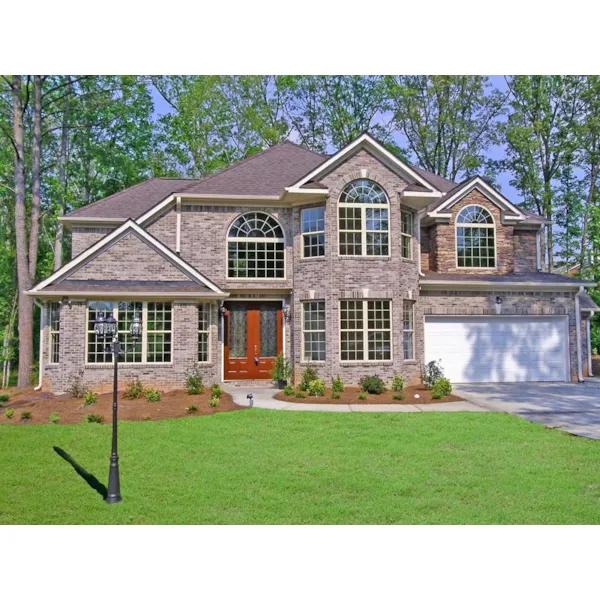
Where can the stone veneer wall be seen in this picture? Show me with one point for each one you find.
(99, 377)
(525, 250)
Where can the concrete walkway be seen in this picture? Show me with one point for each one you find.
(263, 398)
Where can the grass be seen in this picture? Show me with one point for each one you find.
(283, 467)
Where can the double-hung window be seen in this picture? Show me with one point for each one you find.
(407, 233)
(313, 331)
(313, 232)
(155, 346)
(365, 330)
(408, 329)
(54, 323)
(203, 332)
(363, 220)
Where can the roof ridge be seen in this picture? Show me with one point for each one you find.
(286, 141)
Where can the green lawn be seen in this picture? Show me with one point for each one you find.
(285, 467)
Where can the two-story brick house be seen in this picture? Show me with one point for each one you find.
(355, 263)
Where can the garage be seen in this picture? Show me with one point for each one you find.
(499, 348)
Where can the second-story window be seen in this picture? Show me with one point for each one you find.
(475, 238)
(363, 220)
(406, 234)
(255, 247)
(313, 232)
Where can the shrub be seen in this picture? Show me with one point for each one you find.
(398, 383)
(9, 412)
(372, 384)
(214, 401)
(398, 396)
(300, 395)
(26, 415)
(362, 396)
(90, 398)
(215, 391)
(75, 386)
(337, 385)
(282, 368)
(134, 390)
(432, 372)
(193, 381)
(3, 398)
(147, 418)
(93, 418)
(152, 395)
(288, 390)
(192, 408)
(441, 388)
(309, 374)
(316, 388)
(335, 396)
(54, 418)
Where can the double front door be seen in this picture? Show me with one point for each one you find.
(253, 338)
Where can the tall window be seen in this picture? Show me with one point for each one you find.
(203, 332)
(407, 233)
(365, 330)
(314, 331)
(363, 228)
(313, 232)
(408, 329)
(255, 247)
(157, 327)
(475, 238)
(54, 322)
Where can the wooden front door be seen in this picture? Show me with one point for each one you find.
(253, 337)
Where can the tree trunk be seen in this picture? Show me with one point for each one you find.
(36, 200)
(588, 205)
(62, 179)
(23, 278)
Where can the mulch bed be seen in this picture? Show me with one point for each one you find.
(350, 396)
(71, 410)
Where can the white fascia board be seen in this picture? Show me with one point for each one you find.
(155, 209)
(487, 190)
(106, 240)
(367, 139)
(229, 196)
(307, 191)
(67, 219)
(421, 194)
(101, 294)
(507, 284)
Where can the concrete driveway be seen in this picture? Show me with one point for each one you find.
(573, 407)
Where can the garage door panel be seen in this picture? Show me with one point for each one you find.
(498, 349)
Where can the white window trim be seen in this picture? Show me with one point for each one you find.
(52, 333)
(404, 331)
(115, 313)
(303, 358)
(366, 331)
(410, 236)
(306, 233)
(209, 307)
(480, 226)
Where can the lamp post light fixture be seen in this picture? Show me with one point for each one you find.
(106, 329)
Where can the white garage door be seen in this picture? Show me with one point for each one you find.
(499, 349)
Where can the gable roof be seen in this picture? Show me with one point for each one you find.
(112, 238)
(437, 181)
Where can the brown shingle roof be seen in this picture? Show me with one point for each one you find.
(440, 183)
(586, 303)
(532, 277)
(116, 286)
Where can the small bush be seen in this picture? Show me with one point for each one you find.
(152, 395)
(75, 386)
(134, 390)
(441, 388)
(432, 372)
(9, 413)
(398, 383)
(192, 408)
(288, 390)
(372, 384)
(3, 398)
(316, 388)
(193, 381)
(214, 401)
(303, 387)
(300, 395)
(309, 374)
(147, 418)
(282, 368)
(90, 398)
(337, 385)
(335, 396)
(54, 418)
(215, 391)
(362, 396)
(26, 415)
(93, 418)
(398, 397)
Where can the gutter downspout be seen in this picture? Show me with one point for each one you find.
(589, 345)
(41, 359)
(578, 333)
(420, 213)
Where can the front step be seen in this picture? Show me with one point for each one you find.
(251, 383)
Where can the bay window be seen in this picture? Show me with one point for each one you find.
(313, 232)
(313, 331)
(406, 234)
(365, 330)
(408, 329)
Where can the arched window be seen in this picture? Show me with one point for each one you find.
(255, 247)
(363, 228)
(475, 238)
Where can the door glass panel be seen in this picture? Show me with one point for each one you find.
(268, 330)
(237, 331)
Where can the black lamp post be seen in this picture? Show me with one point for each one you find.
(106, 329)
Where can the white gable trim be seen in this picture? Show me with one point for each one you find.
(488, 191)
(366, 140)
(105, 241)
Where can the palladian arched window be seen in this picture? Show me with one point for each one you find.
(363, 227)
(255, 247)
(475, 238)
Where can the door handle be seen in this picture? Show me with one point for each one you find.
(255, 357)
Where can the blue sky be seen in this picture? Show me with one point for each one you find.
(161, 107)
